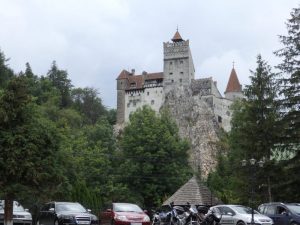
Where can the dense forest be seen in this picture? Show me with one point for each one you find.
(265, 126)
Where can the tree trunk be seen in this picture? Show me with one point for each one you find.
(8, 212)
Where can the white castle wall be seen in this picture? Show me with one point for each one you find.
(136, 99)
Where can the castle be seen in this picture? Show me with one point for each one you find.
(134, 91)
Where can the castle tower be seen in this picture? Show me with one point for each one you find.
(178, 63)
(234, 88)
(121, 87)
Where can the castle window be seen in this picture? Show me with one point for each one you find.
(152, 102)
(181, 73)
(181, 62)
(171, 63)
(219, 119)
(148, 93)
(133, 85)
(180, 80)
(128, 104)
(172, 81)
(171, 73)
(134, 103)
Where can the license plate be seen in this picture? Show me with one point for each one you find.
(83, 222)
(136, 223)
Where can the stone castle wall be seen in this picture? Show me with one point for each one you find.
(197, 123)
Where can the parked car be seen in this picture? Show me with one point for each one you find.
(65, 213)
(241, 215)
(124, 214)
(282, 213)
(20, 215)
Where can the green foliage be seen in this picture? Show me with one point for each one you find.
(5, 72)
(290, 106)
(59, 79)
(30, 160)
(254, 133)
(87, 102)
(154, 160)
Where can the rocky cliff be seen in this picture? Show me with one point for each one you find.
(197, 123)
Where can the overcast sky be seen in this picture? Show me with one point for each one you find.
(95, 39)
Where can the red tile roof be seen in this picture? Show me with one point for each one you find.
(233, 84)
(177, 37)
(138, 80)
(123, 75)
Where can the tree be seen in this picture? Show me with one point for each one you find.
(87, 102)
(290, 102)
(30, 157)
(254, 134)
(290, 66)
(5, 72)
(154, 156)
(59, 79)
(258, 134)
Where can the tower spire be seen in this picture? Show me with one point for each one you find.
(177, 37)
(233, 84)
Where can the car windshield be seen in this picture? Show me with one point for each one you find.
(243, 209)
(294, 208)
(121, 207)
(73, 207)
(17, 206)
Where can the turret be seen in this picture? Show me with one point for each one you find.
(234, 88)
(121, 87)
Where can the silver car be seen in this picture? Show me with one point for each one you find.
(241, 215)
(21, 216)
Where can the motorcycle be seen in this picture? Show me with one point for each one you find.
(179, 215)
(212, 217)
(161, 217)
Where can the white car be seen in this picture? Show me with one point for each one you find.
(241, 215)
(20, 215)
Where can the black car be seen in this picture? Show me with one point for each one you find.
(65, 213)
(282, 213)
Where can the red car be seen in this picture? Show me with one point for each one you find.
(124, 214)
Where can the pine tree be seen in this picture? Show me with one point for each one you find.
(253, 134)
(290, 106)
(290, 83)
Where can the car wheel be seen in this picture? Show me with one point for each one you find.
(240, 223)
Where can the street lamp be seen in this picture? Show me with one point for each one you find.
(252, 162)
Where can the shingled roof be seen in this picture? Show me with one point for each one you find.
(177, 37)
(193, 192)
(233, 84)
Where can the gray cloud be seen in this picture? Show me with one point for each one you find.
(94, 40)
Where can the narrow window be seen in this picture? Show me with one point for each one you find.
(180, 80)
(219, 119)
(172, 81)
(171, 73)
(148, 93)
(152, 102)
